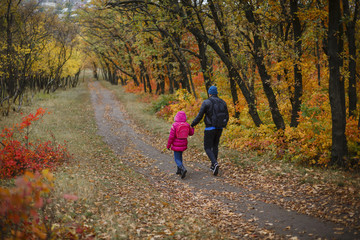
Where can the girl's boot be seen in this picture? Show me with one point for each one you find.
(183, 171)
(178, 170)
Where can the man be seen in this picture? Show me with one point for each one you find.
(216, 118)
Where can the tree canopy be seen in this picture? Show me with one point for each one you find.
(39, 50)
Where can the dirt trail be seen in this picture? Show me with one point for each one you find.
(117, 131)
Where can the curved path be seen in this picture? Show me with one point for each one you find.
(117, 131)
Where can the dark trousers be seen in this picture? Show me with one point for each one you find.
(211, 144)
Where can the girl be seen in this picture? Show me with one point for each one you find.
(179, 132)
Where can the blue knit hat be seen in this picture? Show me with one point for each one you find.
(213, 90)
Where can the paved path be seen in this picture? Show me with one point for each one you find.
(116, 129)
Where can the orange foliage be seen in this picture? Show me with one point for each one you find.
(19, 206)
(132, 88)
(25, 208)
(353, 138)
(198, 79)
(309, 143)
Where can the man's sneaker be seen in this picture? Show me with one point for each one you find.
(215, 169)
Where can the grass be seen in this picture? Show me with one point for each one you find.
(70, 121)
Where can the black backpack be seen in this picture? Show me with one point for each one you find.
(220, 115)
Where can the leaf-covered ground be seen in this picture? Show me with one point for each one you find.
(262, 202)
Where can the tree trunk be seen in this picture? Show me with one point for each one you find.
(95, 75)
(298, 89)
(206, 68)
(142, 74)
(10, 83)
(265, 78)
(114, 79)
(250, 99)
(226, 45)
(160, 85)
(339, 144)
(148, 84)
(318, 67)
(350, 33)
(171, 78)
(184, 80)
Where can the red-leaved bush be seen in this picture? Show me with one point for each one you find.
(18, 153)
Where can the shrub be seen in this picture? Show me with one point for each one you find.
(19, 206)
(28, 212)
(163, 101)
(18, 153)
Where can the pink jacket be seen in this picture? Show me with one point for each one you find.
(178, 144)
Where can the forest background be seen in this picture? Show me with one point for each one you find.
(288, 70)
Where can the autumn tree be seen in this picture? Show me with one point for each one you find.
(32, 43)
(350, 16)
(200, 32)
(336, 84)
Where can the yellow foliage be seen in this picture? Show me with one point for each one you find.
(185, 102)
(73, 65)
